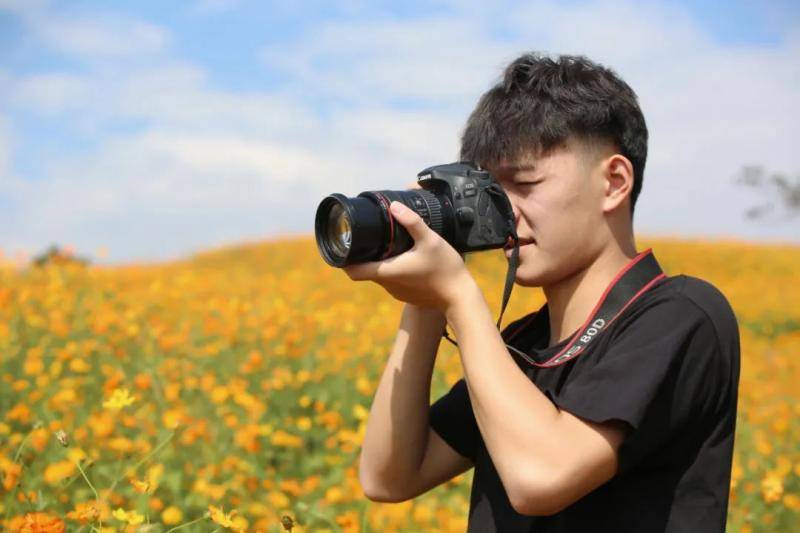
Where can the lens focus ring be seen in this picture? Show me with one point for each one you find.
(434, 208)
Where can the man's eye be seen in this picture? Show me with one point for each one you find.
(528, 183)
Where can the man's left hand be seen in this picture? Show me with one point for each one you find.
(430, 274)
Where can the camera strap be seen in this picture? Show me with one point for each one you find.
(498, 195)
(637, 277)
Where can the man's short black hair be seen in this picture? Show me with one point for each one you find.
(541, 102)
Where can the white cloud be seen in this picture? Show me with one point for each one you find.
(51, 93)
(439, 59)
(87, 34)
(99, 35)
(168, 94)
(5, 149)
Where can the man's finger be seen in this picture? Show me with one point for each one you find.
(362, 271)
(410, 220)
(377, 270)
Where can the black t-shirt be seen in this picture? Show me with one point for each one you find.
(669, 368)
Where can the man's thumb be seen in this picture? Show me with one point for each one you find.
(410, 220)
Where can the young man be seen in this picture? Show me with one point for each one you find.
(573, 421)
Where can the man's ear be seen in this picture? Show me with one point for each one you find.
(618, 173)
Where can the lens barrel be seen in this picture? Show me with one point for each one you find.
(361, 229)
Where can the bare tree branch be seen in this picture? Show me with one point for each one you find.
(784, 190)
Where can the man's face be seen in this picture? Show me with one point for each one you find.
(557, 200)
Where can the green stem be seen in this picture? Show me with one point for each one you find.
(141, 462)
(364, 522)
(22, 445)
(13, 492)
(324, 518)
(187, 524)
(96, 496)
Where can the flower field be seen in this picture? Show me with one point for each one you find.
(230, 390)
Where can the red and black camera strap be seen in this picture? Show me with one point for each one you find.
(634, 279)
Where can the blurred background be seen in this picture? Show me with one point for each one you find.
(174, 353)
(149, 130)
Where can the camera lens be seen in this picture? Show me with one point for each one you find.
(349, 230)
(360, 229)
(340, 233)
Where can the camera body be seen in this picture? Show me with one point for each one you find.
(459, 201)
(472, 195)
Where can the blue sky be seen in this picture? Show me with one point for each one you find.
(153, 130)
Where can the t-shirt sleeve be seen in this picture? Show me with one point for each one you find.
(451, 417)
(661, 375)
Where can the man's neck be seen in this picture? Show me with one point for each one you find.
(570, 301)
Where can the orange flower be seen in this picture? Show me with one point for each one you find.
(142, 381)
(85, 512)
(142, 487)
(55, 472)
(349, 522)
(20, 413)
(10, 473)
(38, 523)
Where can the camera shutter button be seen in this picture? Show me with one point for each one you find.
(466, 215)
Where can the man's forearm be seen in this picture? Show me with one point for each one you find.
(397, 429)
(517, 421)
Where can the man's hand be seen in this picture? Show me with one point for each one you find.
(430, 274)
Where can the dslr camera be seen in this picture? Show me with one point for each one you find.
(459, 201)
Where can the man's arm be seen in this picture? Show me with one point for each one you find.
(401, 456)
(546, 458)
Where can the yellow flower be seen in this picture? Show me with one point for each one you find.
(131, 517)
(792, 501)
(364, 386)
(119, 398)
(772, 488)
(278, 499)
(79, 366)
(282, 438)
(225, 520)
(219, 394)
(360, 412)
(334, 495)
(154, 474)
(172, 515)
